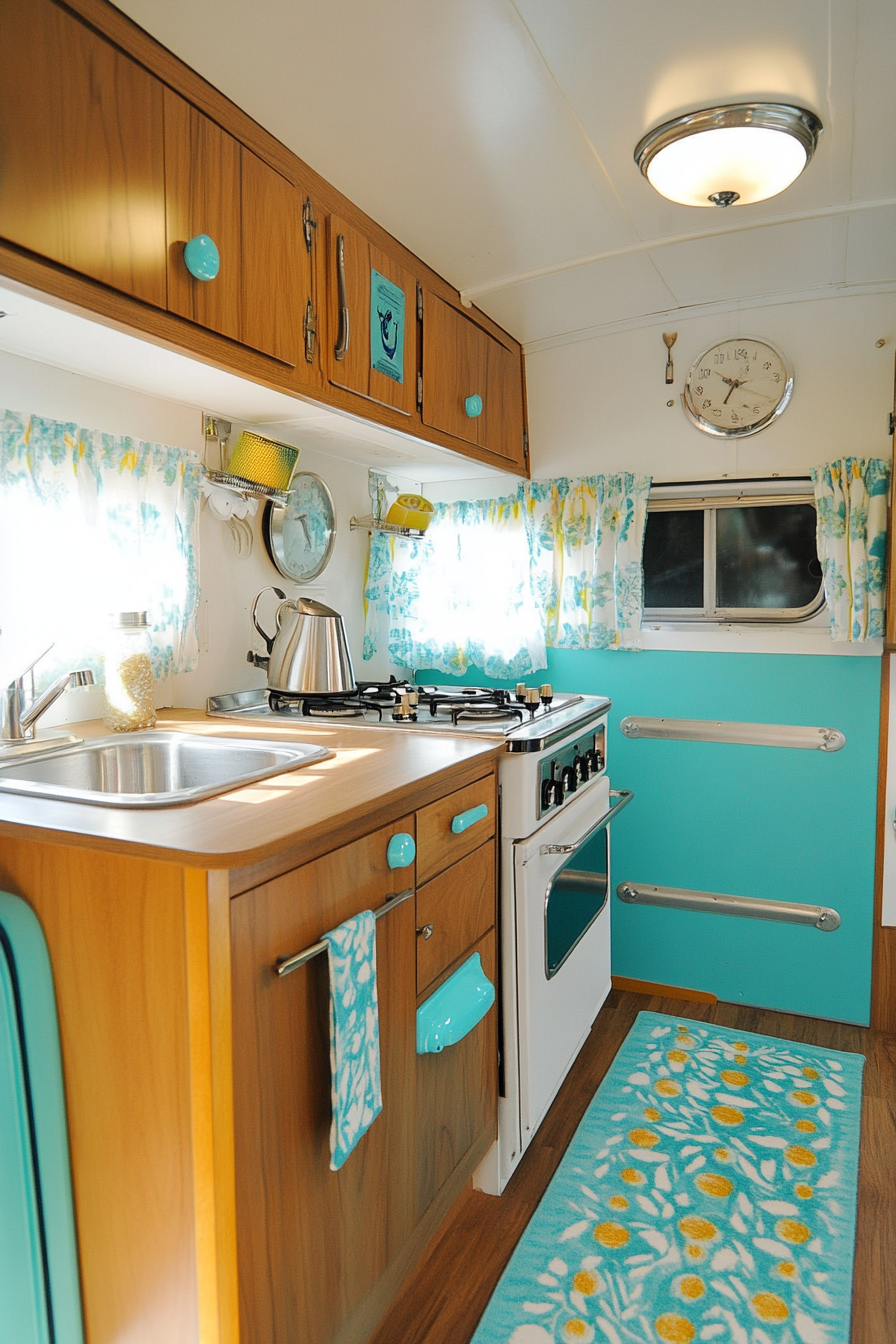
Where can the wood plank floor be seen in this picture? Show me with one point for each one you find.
(442, 1301)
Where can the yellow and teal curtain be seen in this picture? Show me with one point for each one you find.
(851, 497)
(92, 523)
(495, 583)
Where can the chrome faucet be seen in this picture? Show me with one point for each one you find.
(17, 718)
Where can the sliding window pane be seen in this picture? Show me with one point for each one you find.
(766, 557)
(673, 559)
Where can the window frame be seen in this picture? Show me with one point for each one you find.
(709, 497)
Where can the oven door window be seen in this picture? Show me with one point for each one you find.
(574, 899)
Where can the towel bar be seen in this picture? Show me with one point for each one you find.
(822, 917)
(286, 964)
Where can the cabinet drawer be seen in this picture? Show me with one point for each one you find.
(459, 906)
(438, 845)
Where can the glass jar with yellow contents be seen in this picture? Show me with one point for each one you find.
(130, 697)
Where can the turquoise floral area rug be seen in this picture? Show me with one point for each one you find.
(708, 1194)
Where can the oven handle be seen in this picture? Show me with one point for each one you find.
(624, 796)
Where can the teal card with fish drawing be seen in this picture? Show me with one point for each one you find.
(387, 305)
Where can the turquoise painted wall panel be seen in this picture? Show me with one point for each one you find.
(750, 821)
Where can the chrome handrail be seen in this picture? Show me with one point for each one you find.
(822, 917)
(748, 734)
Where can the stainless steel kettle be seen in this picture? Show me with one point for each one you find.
(308, 654)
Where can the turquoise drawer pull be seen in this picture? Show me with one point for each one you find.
(473, 406)
(464, 820)
(201, 257)
(401, 850)
(455, 1008)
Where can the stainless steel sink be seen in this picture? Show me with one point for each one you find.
(153, 769)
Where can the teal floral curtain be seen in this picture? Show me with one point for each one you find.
(587, 545)
(851, 501)
(463, 595)
(92, 523)
(495, 583)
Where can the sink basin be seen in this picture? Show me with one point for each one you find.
(153, 769)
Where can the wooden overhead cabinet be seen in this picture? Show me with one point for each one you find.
(82, 159)
(218, 188)
(472, 383)
(372, 308)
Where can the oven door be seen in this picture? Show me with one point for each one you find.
(561, 889)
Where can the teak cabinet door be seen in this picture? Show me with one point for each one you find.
(82, 169)
(462, 361)
(351, 307)
(216, 186)
(312, 1243)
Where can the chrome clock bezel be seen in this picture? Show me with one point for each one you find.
(737, 431)
(276, 518)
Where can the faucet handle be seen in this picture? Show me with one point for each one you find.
(17, 681)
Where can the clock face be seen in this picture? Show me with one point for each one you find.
(737, 387)
(299, 535)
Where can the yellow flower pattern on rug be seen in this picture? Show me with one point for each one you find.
(708, 1195)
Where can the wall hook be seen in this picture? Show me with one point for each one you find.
(669, 338)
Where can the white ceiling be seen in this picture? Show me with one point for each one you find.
(495, 138)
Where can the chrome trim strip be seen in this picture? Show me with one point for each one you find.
(748, 734)
(822, 917)
(286, 964)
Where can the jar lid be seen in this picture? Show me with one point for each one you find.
(119, 619)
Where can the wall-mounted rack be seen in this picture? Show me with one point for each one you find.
(368, 523)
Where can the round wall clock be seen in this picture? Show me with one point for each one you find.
(737, 387)
(299, 535)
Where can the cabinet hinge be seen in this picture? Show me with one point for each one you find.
(420, 391)
(891, 424)
(526, 446)
(419, 301)
(308, 222)
(310, 332)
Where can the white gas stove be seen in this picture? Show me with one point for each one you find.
(555, 808)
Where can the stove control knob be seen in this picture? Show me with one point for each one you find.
(582, 767)
(596, 760)
(532, 698)
(547, 693)
(551, 793)
(569, 779)
(412, 698)
(521, 692)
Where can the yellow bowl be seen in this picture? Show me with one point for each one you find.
(411, 511)
(263, 460)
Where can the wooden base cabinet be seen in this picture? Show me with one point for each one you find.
(197, 1080)
(320, 1252)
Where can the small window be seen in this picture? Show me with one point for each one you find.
(732, 556)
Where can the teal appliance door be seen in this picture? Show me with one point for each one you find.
(39, 1290)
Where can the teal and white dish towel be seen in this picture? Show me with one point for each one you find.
(354, 1034)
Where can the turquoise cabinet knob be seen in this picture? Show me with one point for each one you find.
(464, 820)
(456, 1007)
(473, 406)
(201, 257)
(401, 850)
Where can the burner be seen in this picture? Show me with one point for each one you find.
(314, 710)
(483, 713)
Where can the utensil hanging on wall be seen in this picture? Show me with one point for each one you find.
(669, 339)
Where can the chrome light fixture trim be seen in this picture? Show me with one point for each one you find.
(787, 118)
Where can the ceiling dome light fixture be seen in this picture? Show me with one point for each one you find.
(729, 155)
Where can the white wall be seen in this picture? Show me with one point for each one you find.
(228, 582)
(600, 404)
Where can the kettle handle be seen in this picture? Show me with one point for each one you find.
(268, 639)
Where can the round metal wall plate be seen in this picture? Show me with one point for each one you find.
(299, 535)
